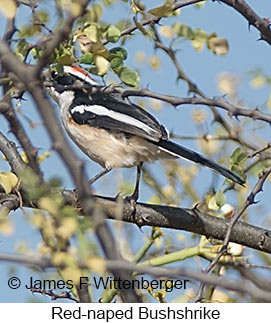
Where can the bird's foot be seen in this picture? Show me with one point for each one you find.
(131, 200)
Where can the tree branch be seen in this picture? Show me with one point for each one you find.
(58, 37)
(249, 201)
(262, 24)
(233, 111)
(191, 220)
(243, 286)
(153, 19)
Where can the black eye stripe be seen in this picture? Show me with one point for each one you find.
(54, 74)
(63, 79)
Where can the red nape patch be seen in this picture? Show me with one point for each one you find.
(73, 69)
(80, 73)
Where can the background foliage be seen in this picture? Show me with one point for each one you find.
(202, 72)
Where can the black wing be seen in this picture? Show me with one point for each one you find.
(111, 113)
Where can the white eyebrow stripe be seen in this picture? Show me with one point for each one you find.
(102, 111)
(81, 76)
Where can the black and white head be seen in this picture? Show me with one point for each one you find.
(62, 91)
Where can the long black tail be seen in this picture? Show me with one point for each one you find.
(186, 153)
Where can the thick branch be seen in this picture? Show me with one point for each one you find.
(191, 220)
(262, 24)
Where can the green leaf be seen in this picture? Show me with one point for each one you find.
(116, 63)
(199, 39)
(92, 33)
(66, 57)
(119, 52)
(125, 188)
(129, 77)
(212, 204)
(93, 14)
(96, 12)
(22, 46)
(87, 58)
(21, 49)
(113, 34)
(220, 198)
(183, 30)
(108, 2)
(43, 16)
(36, 52)
(238, 156)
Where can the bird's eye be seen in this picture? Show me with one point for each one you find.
(54, 74)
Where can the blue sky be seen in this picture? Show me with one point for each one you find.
(245, 54)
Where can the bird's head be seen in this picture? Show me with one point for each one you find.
(62, 86)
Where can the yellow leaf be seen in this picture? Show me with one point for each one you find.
(101, 63)
(49, 205)
(76, 9)
(59, 258)
(38, 219)
(218, 46)
(164, 10)
(8, 8)
(154, 62)
(199, 116)
(74, 274)
(68, 227)
(140, 56)
(96, 264)
(72, 6)
(219, 296)
(212, 204)
(100, 50)
(199, 4)
(166, 31)
(43, 156)
(156, 104)
(137, 6)
(258, 81)
(6, 227)
(199, 39)
(228, 84)
(66, 58)
(24, 157)
(269, 102)
(8, 181)
(83, 41)
(160, 295)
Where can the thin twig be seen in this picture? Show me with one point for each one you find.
(249, 201)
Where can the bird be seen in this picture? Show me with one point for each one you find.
(114, 132)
